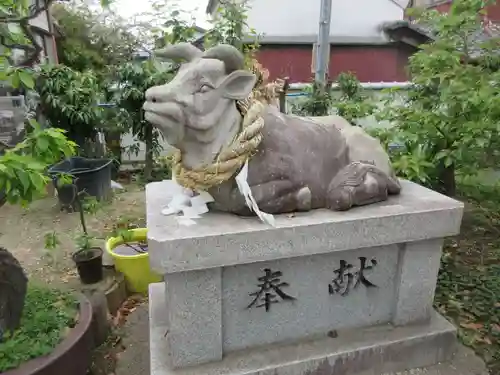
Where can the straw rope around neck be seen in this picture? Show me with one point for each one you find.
(230, 160)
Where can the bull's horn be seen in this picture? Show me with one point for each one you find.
(229, 55)
(181, 51)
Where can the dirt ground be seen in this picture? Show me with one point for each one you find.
(22, 231)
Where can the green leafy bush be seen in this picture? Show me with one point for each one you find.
(353, 104)
(69, 101)
(47, 315)
(133, 80)
(317, 102)
(23, 168)
(450, 115)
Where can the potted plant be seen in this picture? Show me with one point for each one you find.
(129, 249)
(65, 346)
(88, 260)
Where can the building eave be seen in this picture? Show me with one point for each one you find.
(406, 32)
(210, 6)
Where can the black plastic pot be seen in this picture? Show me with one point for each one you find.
(89, 265)
(92, 176)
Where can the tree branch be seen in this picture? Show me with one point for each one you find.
(33, 49)
(35, 10)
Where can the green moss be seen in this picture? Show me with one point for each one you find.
(47, 315)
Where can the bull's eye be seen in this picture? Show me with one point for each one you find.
(153, 99)
(205, 88)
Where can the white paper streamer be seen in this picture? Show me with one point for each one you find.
(186, 204)
(189, 206)
(244, 188)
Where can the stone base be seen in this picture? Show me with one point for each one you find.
(373, 350)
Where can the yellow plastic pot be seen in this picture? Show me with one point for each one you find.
(135, 268)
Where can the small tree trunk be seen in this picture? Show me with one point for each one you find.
(447, 180)
(148, 136)
(282, 97)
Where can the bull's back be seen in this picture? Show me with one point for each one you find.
(361, 145)
(302, 151)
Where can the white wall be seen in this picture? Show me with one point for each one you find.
(41, 20)
(350, 18)
(128, 139)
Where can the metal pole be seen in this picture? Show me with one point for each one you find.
(323, 44)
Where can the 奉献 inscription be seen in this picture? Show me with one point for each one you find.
(345, 277)
(270, 289)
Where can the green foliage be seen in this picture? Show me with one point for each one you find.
(51, 241)
(83, 241)
(88, 43)
(451, 114)
(468, 287)
(352, 104)
(91, 205)
(69, 101)
(175, 30)
(47, 316)
(317, 102)
(408, 155)
(22, 176)
(16, 34)
(22, 169)
(51, 245)
(230, 27)
(49, 145)
(133, 81)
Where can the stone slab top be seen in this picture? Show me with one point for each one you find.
(221, 239)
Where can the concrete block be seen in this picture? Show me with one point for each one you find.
(219, 239)
(374, 350)
(417, 276)
(235, 284)
(194, 316)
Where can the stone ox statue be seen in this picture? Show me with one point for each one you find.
(300, 164)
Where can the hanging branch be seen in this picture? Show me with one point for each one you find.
(32, 50)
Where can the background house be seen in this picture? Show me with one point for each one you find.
(359, 42)
(492, 11)
(45, 33)
(12, 105)
(371, 38)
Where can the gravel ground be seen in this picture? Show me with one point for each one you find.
(22, 231)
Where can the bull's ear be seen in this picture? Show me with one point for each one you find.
(238, 85)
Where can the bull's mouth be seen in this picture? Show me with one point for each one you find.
(167, 114)
(159, 119)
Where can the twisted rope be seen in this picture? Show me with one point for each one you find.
(229, 161)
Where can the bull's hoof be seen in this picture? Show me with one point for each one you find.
(340, 199)
(304, 199)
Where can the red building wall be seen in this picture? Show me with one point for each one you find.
(369, 63)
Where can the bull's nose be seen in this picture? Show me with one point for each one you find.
(151, 95)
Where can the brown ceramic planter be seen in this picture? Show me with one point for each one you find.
(71, 356)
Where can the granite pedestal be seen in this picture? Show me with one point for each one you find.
(324, 292)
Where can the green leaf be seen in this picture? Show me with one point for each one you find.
(14, 79)
(24, 179)
(26, 79)
(43, 144)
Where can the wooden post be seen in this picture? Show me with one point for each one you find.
(283, 93)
